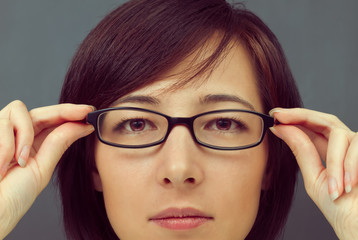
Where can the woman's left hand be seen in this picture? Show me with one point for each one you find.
(313, 137)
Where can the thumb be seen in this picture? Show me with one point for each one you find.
(305, 152)
(55, 144)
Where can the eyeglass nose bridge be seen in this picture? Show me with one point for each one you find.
(174, 121)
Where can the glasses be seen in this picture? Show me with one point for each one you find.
(228, 129)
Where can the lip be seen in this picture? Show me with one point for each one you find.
(180, 218)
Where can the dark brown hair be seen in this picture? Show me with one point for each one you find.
(134, 46)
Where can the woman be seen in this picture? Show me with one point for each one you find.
(181, 59)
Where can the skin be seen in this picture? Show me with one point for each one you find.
(313, 136)
(46, 132)
(141, 183)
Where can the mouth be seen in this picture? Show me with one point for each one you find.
(181, 218)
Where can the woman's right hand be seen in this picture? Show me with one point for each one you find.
(31, 144)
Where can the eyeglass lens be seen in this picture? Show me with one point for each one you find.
(221, 129)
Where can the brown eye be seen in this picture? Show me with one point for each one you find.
(223, 124)
(137, 125)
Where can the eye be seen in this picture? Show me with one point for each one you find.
(134, 125)
(225, 124)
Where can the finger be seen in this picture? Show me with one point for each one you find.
(7, 145)
(24, 131)
(305, 152)
(351, 165)
(18, 115)
(56, 143)
(320, 142)
(313, 120)
(50, 116)
(336, 153)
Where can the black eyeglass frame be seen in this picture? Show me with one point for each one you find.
(92, 118)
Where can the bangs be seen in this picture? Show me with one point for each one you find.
(195, 68)
(140, 44)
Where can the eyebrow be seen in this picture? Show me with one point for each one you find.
(215, 98)
(138, 99)
(210, 98)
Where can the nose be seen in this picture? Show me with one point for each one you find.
(180, 161)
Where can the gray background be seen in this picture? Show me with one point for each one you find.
(39, 37)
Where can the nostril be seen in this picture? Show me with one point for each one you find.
(191, 180)
(166, 180)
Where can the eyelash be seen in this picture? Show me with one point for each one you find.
(121, 124)
(238, 122)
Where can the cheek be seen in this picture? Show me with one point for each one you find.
(124, 185)
(238, 190)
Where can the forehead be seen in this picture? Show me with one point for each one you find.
(234, 75)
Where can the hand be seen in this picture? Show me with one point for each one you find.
(313, 136)
(31, 144)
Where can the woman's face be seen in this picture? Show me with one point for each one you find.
(179, 189)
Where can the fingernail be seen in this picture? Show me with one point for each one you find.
(332, 188)
(24, 156)
(275, 110)
(93, 108)
(347, 182)
(273, 130)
